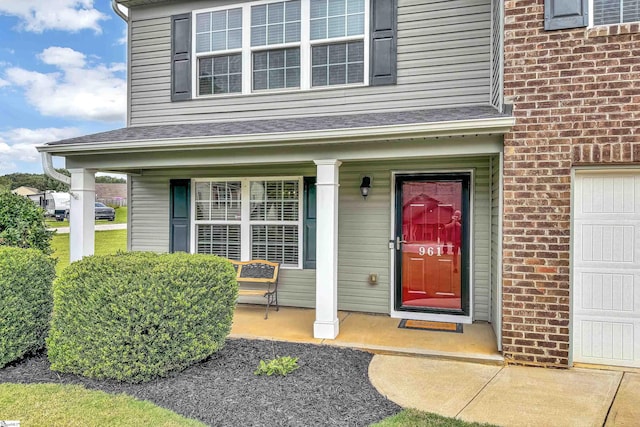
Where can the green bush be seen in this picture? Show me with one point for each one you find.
(280, 366)
(137, 316)
(22, 224)
(26, 300)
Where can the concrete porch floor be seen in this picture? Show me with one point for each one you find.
(371, 332)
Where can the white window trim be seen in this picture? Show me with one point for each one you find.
(592, 25)
(247, 50)
(245, 212)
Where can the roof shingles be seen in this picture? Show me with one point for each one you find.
(298, 124)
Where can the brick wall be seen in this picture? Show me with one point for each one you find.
(576, 99)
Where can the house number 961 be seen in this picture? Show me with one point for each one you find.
(430, 251)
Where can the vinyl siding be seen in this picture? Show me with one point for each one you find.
(364, 228)
(443, 60)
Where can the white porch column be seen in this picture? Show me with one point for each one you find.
(326, 324)
(82, 213)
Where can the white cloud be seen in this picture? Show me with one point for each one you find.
(81, 89)
(4, 83)
(123, 40)
(66, 15)
(19, 145)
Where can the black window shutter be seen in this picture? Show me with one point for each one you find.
(181, 57)
(309, 223)
(179, 215)
(563, 14)
(383, 61)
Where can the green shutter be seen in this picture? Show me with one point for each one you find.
(383, 68)
(179, 215)
(181, 57)
(309, 223)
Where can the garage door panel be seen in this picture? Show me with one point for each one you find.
(608, 342)
(606, 269)
(612, 293)
(607, 242)
(607, 194)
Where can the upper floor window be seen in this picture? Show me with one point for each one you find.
(269, 45)
(606, 12)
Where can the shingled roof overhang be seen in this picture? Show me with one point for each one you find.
(475, 120)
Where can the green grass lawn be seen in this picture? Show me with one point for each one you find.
(121, 218)
(107, 242)
(64, 405)
(414, 418)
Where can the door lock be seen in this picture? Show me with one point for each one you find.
(398, 242)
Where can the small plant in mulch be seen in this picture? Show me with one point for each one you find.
(279, 366)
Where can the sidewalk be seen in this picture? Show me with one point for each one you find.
(509, 395)
(99, 227)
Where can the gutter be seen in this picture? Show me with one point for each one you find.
(333, 136)
(47, 165)
(118, 11)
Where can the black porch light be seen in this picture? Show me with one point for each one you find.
(365, 186)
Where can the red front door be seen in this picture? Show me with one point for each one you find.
(431, 224)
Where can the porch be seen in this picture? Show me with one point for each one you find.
(377, 333)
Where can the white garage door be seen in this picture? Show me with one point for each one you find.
(606, 269)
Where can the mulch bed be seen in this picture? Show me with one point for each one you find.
(331, 387)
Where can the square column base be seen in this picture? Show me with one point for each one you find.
(326, 330)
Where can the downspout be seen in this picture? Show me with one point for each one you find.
(47, 165)
(118, 11)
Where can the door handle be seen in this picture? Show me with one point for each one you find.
(398, 242)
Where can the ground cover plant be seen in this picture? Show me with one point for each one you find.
(139, 315)
(26, 277)
(50, 405)
(280, 366)
(22, 224)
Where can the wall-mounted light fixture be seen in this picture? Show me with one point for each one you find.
(365, 186)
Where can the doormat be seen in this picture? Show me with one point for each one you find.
(431, 326)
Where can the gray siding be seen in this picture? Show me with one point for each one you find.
(364, 228)
(443, 60)
(149, 207)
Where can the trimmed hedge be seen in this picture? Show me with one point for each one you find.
(136, 316)
(26, 277)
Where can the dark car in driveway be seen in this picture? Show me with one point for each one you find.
(105, 212)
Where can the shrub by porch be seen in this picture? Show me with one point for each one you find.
(136, 316)
(26, 276)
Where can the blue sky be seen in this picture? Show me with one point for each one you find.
(62, 74)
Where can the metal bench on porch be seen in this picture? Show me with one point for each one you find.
(258, 278)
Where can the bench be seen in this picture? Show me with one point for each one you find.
(258, 278)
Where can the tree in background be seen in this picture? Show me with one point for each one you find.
(5, 184)
(45, 183)
(22, 224)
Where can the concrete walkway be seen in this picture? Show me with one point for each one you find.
(99, 227)
(510, 395)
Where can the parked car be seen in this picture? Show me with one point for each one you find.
(105, 212)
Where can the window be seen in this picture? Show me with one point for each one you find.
(219, 37)
(606, 12)
(249, 218)
(271, 45)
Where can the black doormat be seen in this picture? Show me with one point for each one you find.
(426, 325)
